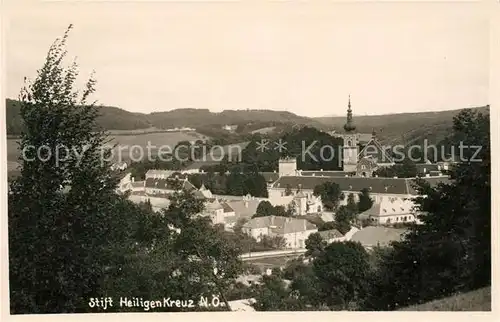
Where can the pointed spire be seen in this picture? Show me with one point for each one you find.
(349, 125)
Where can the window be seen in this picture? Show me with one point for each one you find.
(363, 167)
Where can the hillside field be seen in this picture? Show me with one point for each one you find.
(157, 139)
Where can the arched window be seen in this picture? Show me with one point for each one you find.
(349, 143)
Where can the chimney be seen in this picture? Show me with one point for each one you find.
(246, 203)
(133, 179)
(321, 170)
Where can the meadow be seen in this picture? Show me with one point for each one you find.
(126, 142)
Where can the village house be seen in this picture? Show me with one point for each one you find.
(294, 231)
(371, 237)
(331, 236)
(391, 210)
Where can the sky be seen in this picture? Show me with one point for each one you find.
(299, 56)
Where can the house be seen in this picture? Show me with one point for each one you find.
(167, 185)
(215, 211)
(390, 210)
(372, 236)
(378, 188)
(244, 208)
(158, 174)
(331, 236)
(294, 231)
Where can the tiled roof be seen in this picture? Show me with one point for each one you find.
(325, 173)
(376, 151)
(356, 184)
(280, 225)
(373, 235)
(227, 208)
(329, 234)
(215, 205)
(244, 208)
(159, 173)
(167, 184)
(198, 194)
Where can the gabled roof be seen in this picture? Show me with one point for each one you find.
(356, 184)
(280, 225)
(376, 235)
(325, 173)
(376, 151)
(155, 172)
(213, 205)
(168, 184)
(227, 208)
(244, 208)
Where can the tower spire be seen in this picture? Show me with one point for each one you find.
(349, 125)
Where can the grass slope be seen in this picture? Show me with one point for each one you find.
(478, 300)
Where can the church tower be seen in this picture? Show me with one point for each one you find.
(350, 150)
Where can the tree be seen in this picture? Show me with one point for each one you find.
(265, 208)
(330, 194)
(315, 245)
(67, 227)
(342, 270)
(365, 201)
(406, 169)
(273, 295)
(343, 219)
(451, 251)
(351, 204)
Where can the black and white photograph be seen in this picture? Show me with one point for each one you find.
(239, 156)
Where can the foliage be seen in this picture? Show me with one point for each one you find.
(330, 194)
(273, 295)
(365, 201)
(63, 243)
(71, 237)
(343, 219)
(315, 245)
(406, 169)
(233, 184)
(342, 271)
(451, 251)
(266, 209)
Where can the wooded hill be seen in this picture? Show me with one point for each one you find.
(113, 118)
(406, 128)
(403, 128)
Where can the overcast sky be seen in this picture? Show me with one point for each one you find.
(301, 57)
